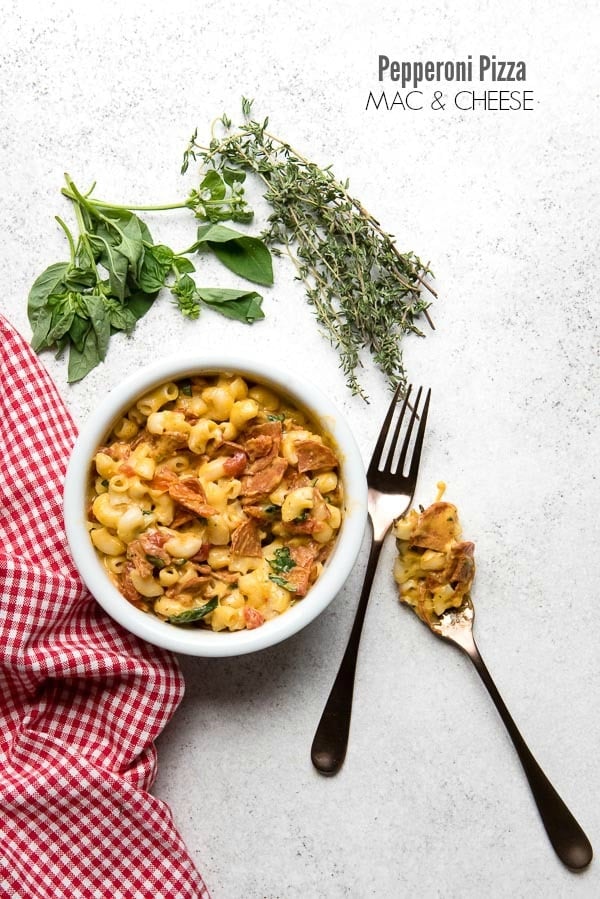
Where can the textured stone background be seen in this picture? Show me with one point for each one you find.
(431, 801)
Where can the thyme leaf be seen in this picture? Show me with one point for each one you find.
(365, 293)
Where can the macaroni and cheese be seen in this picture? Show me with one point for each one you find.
(434, 569)
(214, 502)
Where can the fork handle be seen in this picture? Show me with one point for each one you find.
(568, 839)
(331, 737)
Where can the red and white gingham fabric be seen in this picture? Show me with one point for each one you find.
(81, 700)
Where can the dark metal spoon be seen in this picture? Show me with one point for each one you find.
(568, 839)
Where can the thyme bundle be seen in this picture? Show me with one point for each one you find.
(366, 294)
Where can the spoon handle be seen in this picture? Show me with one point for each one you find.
(567, 837)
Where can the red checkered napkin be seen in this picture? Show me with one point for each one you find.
(81, 700)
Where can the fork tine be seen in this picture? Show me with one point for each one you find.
(383, 433)
(407, 436)
(416, 456)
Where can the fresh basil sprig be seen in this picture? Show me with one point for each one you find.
(220, 197)
(116, 271)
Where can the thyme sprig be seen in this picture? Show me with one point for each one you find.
(366, 294)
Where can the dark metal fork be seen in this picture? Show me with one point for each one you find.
(390, 494)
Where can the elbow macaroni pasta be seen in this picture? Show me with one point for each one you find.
(200, 509)
(434, 568)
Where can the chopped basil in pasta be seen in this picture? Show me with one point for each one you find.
(215, 502)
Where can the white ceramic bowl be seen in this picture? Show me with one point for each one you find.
(204, 642)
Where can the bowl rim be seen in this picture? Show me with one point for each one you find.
(207, 643)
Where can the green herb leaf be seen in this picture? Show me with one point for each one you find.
(155, 267)
(281, 582)
(79, 330)
(186, 296)
(215, 233)
(138, 303)
(220, 197)
(282, 561)
(126, 233)
(366, 294)
(121, 316)
(49, 282)
(90, 343)
(242, 305)
(113, 261)
(247, 256)
(183, 265)
(61, 325)
(42, 325)
(191, 615)
(116, 271)
(78, 279)
(233, 176)
(214, 185)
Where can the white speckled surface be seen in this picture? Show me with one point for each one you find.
(431, 801)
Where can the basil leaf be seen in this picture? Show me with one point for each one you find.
(53, 321)
(100, 320)
(61, 325)
(46, 284)
(121, 318)
(186, 296)
(191, 615)
(215, 233)
(248, 257)
(138, 303)
(84, 358)
(282, 583)
(282, 561)
(214, 184)
(92, 338)
(114, 262)
(78, 331)
(183, 265)
(145, 232)
(233, 176)
(155, 267)
(128, 237)
(241, 305)
(79, 279)
(41, 328)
